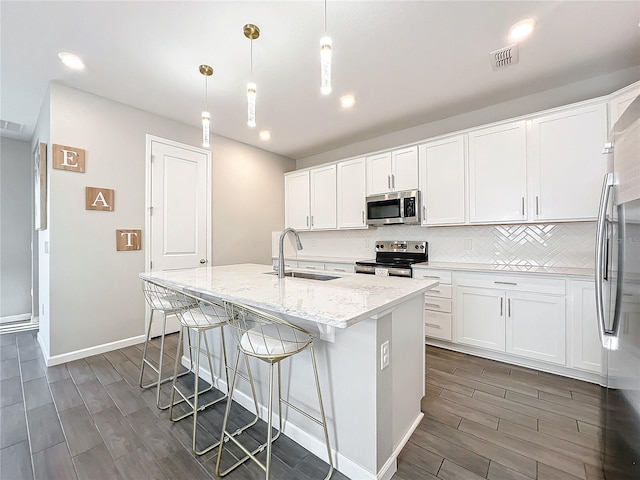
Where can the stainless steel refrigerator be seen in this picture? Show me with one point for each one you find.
(618, 299)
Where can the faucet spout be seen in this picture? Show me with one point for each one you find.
(281, 248)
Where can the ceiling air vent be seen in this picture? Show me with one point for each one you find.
(12, 127)
(504, 57)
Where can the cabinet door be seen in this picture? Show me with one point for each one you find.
(351, 194)
(535, 326)
(297, 200)
(442, 181)
(404, 174)
(480, 317)
(567, 165)
(497, 173)
(323, 198)
(585, 342)
(379, 173)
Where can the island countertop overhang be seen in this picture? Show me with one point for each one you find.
(339, 303)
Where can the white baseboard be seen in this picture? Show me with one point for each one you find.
(45, 350)
(15, 318)
(87, 352)
(314, 445)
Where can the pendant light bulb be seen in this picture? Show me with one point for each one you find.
(251, 104)
(325, 65)
(206, 120)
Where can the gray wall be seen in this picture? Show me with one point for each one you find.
(94, 291)
(571, 93)
(16, 204)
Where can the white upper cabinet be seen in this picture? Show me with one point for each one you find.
(297, 200)
(621, 101)
(567, 164)
(392, 171)
(498, 173)
(404, 173)
(323, 198)
(442, 172)
(351, 194)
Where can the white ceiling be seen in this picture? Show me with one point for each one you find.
(407, 62)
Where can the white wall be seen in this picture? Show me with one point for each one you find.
(575, 92)
(16, 199)
(95, 295)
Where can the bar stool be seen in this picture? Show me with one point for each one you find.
(204, 315)
(270, 339)
(161, 299)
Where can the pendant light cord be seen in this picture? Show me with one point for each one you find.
(325, 17)
(251, 59)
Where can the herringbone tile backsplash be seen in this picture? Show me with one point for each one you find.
(558, 245)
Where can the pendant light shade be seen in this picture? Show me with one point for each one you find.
(325, 65)
(251, 104)
(251, 32)
(325, 58)
(206, 120)
(207, 71)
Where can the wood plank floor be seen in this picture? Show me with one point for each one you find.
(88, 419)
(487, 419)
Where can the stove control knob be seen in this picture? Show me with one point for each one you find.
(421, 247)
(380, 246)
(417, 247)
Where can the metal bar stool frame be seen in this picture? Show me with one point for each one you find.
(159, 298)
(270, 339)
(206, 315)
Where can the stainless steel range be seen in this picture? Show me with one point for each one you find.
(395, 258)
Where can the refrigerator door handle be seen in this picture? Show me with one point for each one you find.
(601, 231)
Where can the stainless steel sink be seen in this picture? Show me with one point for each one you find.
(308, 276)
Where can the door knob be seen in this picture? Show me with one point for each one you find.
(203, 261)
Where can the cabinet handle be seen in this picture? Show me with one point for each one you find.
(363, 217)
(307, 220)
(339, 270)
(509, 307)
(505, 283)
(389, 182)
(393, 181)
(501, 299)
(312, 220)
(424, 213)
(523, 206)
(432, 305)
(311, 267)
(433, 325)
(434, 291)
(537, 206)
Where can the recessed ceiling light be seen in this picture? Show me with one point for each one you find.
(347, 101)
(265, 135)
(72, 61)
(522, 30)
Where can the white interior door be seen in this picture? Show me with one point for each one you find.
(179, 218)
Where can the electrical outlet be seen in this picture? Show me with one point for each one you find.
(468, 244)
(384, 355)
(46, 246)
(42, 310)
(366, 243)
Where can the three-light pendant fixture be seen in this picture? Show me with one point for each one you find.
(252, 32)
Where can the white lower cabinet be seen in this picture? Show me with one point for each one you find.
(535, 326)
(480, 318)
(438, 317)
(585, 342)
(524, 323)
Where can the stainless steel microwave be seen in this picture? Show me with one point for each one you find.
(394, 208)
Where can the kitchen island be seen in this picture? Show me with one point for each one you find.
(372, 399)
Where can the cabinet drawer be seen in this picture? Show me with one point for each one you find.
(437, 304)
(311, 265)
(437, 325)
(443, 275)
(340, 267)
(521, 283)
(443, 291)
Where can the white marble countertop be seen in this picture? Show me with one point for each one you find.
(340, 302)
(587, 273)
